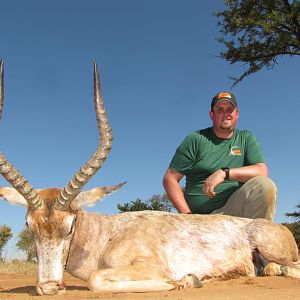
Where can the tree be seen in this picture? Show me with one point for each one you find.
(5, 236)
(295, 227)
(295, 214)
(161, 203)
(257, 32)
(156, 202)
(25, 243)
(295, 230)
(136, 205)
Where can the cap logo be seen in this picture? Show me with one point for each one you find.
(224, 95)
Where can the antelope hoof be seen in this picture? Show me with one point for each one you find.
(192, 281)
(188, 281)
(272, 269)
(50, 288)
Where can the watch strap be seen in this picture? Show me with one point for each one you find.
(227, 173)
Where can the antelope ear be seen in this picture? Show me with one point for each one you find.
(12, 196)
(91, 197)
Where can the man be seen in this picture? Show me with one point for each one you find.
(224, 167)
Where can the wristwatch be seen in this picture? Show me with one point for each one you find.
(227, 172)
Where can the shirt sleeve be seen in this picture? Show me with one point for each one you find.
(254, 153)
(186, 154)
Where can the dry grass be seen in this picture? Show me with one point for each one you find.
(16, 266)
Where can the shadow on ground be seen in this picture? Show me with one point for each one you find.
(30, 290)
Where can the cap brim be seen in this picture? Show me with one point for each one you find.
(226, 99)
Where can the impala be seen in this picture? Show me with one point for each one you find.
(136, 251)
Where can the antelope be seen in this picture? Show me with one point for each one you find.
(136, 251)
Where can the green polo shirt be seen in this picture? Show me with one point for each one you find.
(202, 153)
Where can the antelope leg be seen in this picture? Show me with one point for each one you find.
(137, 278)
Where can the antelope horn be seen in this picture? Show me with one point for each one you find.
(72, 189)
(10, 173)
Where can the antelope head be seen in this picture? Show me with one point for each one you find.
(51, 213)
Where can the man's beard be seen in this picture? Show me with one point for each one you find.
(226, 127)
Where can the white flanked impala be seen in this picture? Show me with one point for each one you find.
(142, 251)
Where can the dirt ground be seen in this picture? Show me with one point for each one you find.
(19, 287)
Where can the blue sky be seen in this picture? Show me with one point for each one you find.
(159, 70)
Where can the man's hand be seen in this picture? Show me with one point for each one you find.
(212, 182)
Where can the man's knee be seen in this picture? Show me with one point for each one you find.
(266, 193)
(266, 187)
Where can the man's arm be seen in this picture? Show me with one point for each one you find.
(242, 174)
(171, 184)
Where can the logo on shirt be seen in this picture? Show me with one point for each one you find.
(235, 151)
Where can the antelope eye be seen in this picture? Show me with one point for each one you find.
(70, 231)
(72, 227)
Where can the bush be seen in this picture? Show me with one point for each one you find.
(17, 266)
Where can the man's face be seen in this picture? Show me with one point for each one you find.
(224, 116)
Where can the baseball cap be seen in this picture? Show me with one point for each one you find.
(223, 96)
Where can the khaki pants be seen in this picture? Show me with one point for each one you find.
(255, 199)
